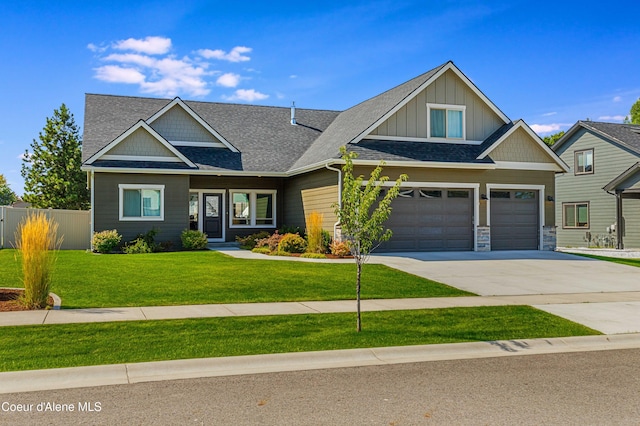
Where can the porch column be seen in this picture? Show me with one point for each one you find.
(619, 220)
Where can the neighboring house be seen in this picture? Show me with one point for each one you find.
(477, 180)
(598, 201)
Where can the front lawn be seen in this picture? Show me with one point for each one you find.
(69, 345)
(620, 260)
(86, 280)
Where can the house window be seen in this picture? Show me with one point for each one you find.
(251, 208)
(584, 162)
(446, 121)
(575, 215)
(141, 202)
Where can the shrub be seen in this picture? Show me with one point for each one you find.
(314, 233)
(37, 244)
(248, 242)
(261, 250)
(143, 243)
(271, 241)
(313, 255)
(105, 241)
(326, 241)
(290, 229)
(340, 248)
(292, 243)
(193, 240)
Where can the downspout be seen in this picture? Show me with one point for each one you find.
(2, 227)
(333, 169)
(92, 225)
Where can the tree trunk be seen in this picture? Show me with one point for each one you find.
(359, 267)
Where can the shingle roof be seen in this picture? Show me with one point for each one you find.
(627, 135)
(264, 135)
(417, 151)
(352, 122)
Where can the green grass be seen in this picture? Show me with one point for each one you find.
(85, 280)
(67, 345)
(620, 260)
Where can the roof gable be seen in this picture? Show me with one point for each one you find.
(625, 135)
(177, 122)
(140, 143)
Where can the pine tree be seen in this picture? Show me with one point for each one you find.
(7, 196)
(52, 174)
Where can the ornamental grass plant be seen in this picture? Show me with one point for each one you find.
(37, 244)
(315, 241)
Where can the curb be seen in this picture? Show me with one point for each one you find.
(122, 374)
(57, 302)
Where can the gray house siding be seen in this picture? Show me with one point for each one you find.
(609, 160)
(242, 182)
(176, 205)
(311, 192)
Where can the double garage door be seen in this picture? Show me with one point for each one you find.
(425, 219)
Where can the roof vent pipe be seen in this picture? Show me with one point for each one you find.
(293, 114)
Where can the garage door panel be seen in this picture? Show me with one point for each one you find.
(514, 220)
(431, 223)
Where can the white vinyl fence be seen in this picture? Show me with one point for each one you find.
(73, 225)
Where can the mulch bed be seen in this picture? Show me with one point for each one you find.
(9, 300)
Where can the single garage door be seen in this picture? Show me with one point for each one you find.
(424, 219)
(514, 220)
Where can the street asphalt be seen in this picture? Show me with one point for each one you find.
(601, 295)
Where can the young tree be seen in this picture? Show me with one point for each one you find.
(7, 196)
(634, 114)
(362, 214)
(52, 174)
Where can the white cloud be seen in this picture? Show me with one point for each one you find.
(118, 74)
(23, 156)
(548, 128)
(228, 80)
(612, 117)
(94, 48)
(292, 76)
(149, 45)
(249, 95)
(549, 114)
(235, 55)
(617, 98)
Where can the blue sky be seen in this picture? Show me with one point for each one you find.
(549, 62)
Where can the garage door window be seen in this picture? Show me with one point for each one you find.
(500, 194)
(406, 193)
(525, 195)
(428, 193)
(458, 194)
(575, 215)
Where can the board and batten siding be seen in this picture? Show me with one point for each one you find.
(520, 147)
(483, 177)
(448, 89)
(177, 125)
(141, 143)
(609, 161)
(312, 192)
(176, 205)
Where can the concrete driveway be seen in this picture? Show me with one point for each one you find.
(536, 272)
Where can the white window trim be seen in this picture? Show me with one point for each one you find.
(541, 199)
(447, 107)
(123, 218)
(252, 209)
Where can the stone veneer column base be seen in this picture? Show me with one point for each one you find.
(483, 238)
(549, 238)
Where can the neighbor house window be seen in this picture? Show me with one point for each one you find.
(575, 215)
(253, 208)
(446, 121)
(141, 202)
(584, 162)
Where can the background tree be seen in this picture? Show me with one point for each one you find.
(362, 214)
(52, 174)
(634, 114)
(7, 196)
(551, 139)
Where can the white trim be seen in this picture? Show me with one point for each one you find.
(195, 116)
(252, 203)
(447, 108)
(541, 199)
(520, 124)
(448, 66)
(129, 132)
(157, 158)
(518, 165)
(198, 144)
(123, 218)
(426, 140)
(451, 185)
(201, 193)
(427, 164)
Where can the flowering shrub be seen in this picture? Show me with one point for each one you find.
(271, 242)
(249, 242)
(340, 248)
(193, 240)
(106, 241)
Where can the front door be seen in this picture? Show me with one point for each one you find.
(212, 215)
